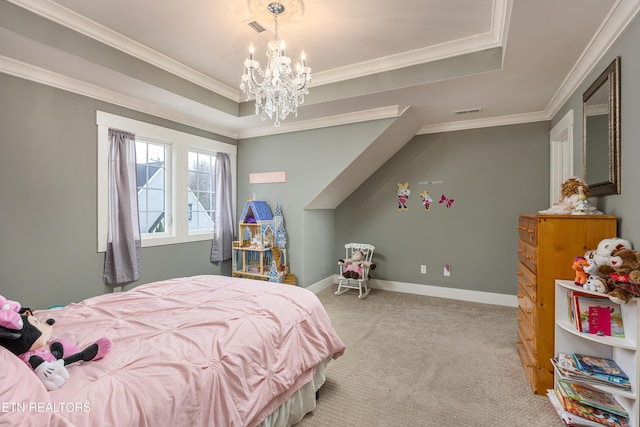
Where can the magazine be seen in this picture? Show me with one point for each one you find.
(566, 417)
(592, 397)
(568, 370)
(589, 413)
(598, 365)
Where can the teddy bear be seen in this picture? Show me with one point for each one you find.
(578, 265)
(25, 336)
(353, 267)
(626, 272)
(603, 253)
(626, 263)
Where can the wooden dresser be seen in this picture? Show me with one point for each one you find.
(546, 248)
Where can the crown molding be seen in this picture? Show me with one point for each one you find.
(484, 123)
(407, 59)
(49, 78)
(67, 18)
(496, 37)
(619, 17)
(337, 120)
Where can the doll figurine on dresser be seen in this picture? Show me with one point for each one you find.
(573, 199)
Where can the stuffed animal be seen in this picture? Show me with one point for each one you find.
(579, 264)
(23, 335)
(353, 267)
(626, 265)
(604, 252)
(592, 283)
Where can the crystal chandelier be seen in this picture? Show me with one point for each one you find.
(281, 90)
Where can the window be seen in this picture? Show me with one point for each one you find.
(202, 191)
(175, 180)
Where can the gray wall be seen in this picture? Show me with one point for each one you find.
(492, 174)
(311, 160)
(626, 204)
(48, 184)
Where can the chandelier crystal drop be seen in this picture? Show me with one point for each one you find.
(282, 90)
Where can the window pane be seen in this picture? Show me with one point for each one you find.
(152, 186)
(201, 191)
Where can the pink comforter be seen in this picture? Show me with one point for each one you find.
(198, 351)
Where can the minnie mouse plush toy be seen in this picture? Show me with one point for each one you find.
(23, 335)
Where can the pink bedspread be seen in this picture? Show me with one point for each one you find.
(198, 351)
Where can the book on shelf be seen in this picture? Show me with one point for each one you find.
(567, 369)
(575, 413)
(595, 315)
(598, 365)
(591, 397)
(568, 418)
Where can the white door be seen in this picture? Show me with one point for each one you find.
(561, 140)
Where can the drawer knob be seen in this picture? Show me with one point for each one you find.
(519, 342)
(529, 311)
(529, 339)
(519, 319)
(529, 365)
(519, 273)
(530, 285)
(520, 296)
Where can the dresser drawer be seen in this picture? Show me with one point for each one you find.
(522, 228)
(522, 247)
(530, 252)
(528, 310)
(528, 282)
(528, 230)
(525, 329)
(528, 362)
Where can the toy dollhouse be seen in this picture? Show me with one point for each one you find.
(260, 253)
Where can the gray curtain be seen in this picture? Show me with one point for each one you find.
(223, 222)
(122, 259)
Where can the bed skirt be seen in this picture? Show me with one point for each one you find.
(300, 403)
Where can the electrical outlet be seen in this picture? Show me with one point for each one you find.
(423, 269)
(117, 289)
(447, 270)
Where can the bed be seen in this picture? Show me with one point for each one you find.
(195, 351)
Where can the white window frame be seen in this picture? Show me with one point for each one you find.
(180, 143)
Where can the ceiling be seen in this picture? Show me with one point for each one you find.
(516, 61)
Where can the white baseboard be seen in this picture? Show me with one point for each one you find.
(428, 290)
(323, 284)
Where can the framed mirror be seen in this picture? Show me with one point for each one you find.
(601, 132)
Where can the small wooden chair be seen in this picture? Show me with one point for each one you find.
(364, 267)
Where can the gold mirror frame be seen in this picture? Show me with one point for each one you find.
(601, 132)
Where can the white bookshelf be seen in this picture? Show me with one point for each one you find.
(623, 350)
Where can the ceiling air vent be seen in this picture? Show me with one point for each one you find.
(468, 111)
(256, 26)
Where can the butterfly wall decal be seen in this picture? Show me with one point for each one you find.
(444, 199)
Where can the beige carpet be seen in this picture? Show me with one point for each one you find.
(421, 361)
